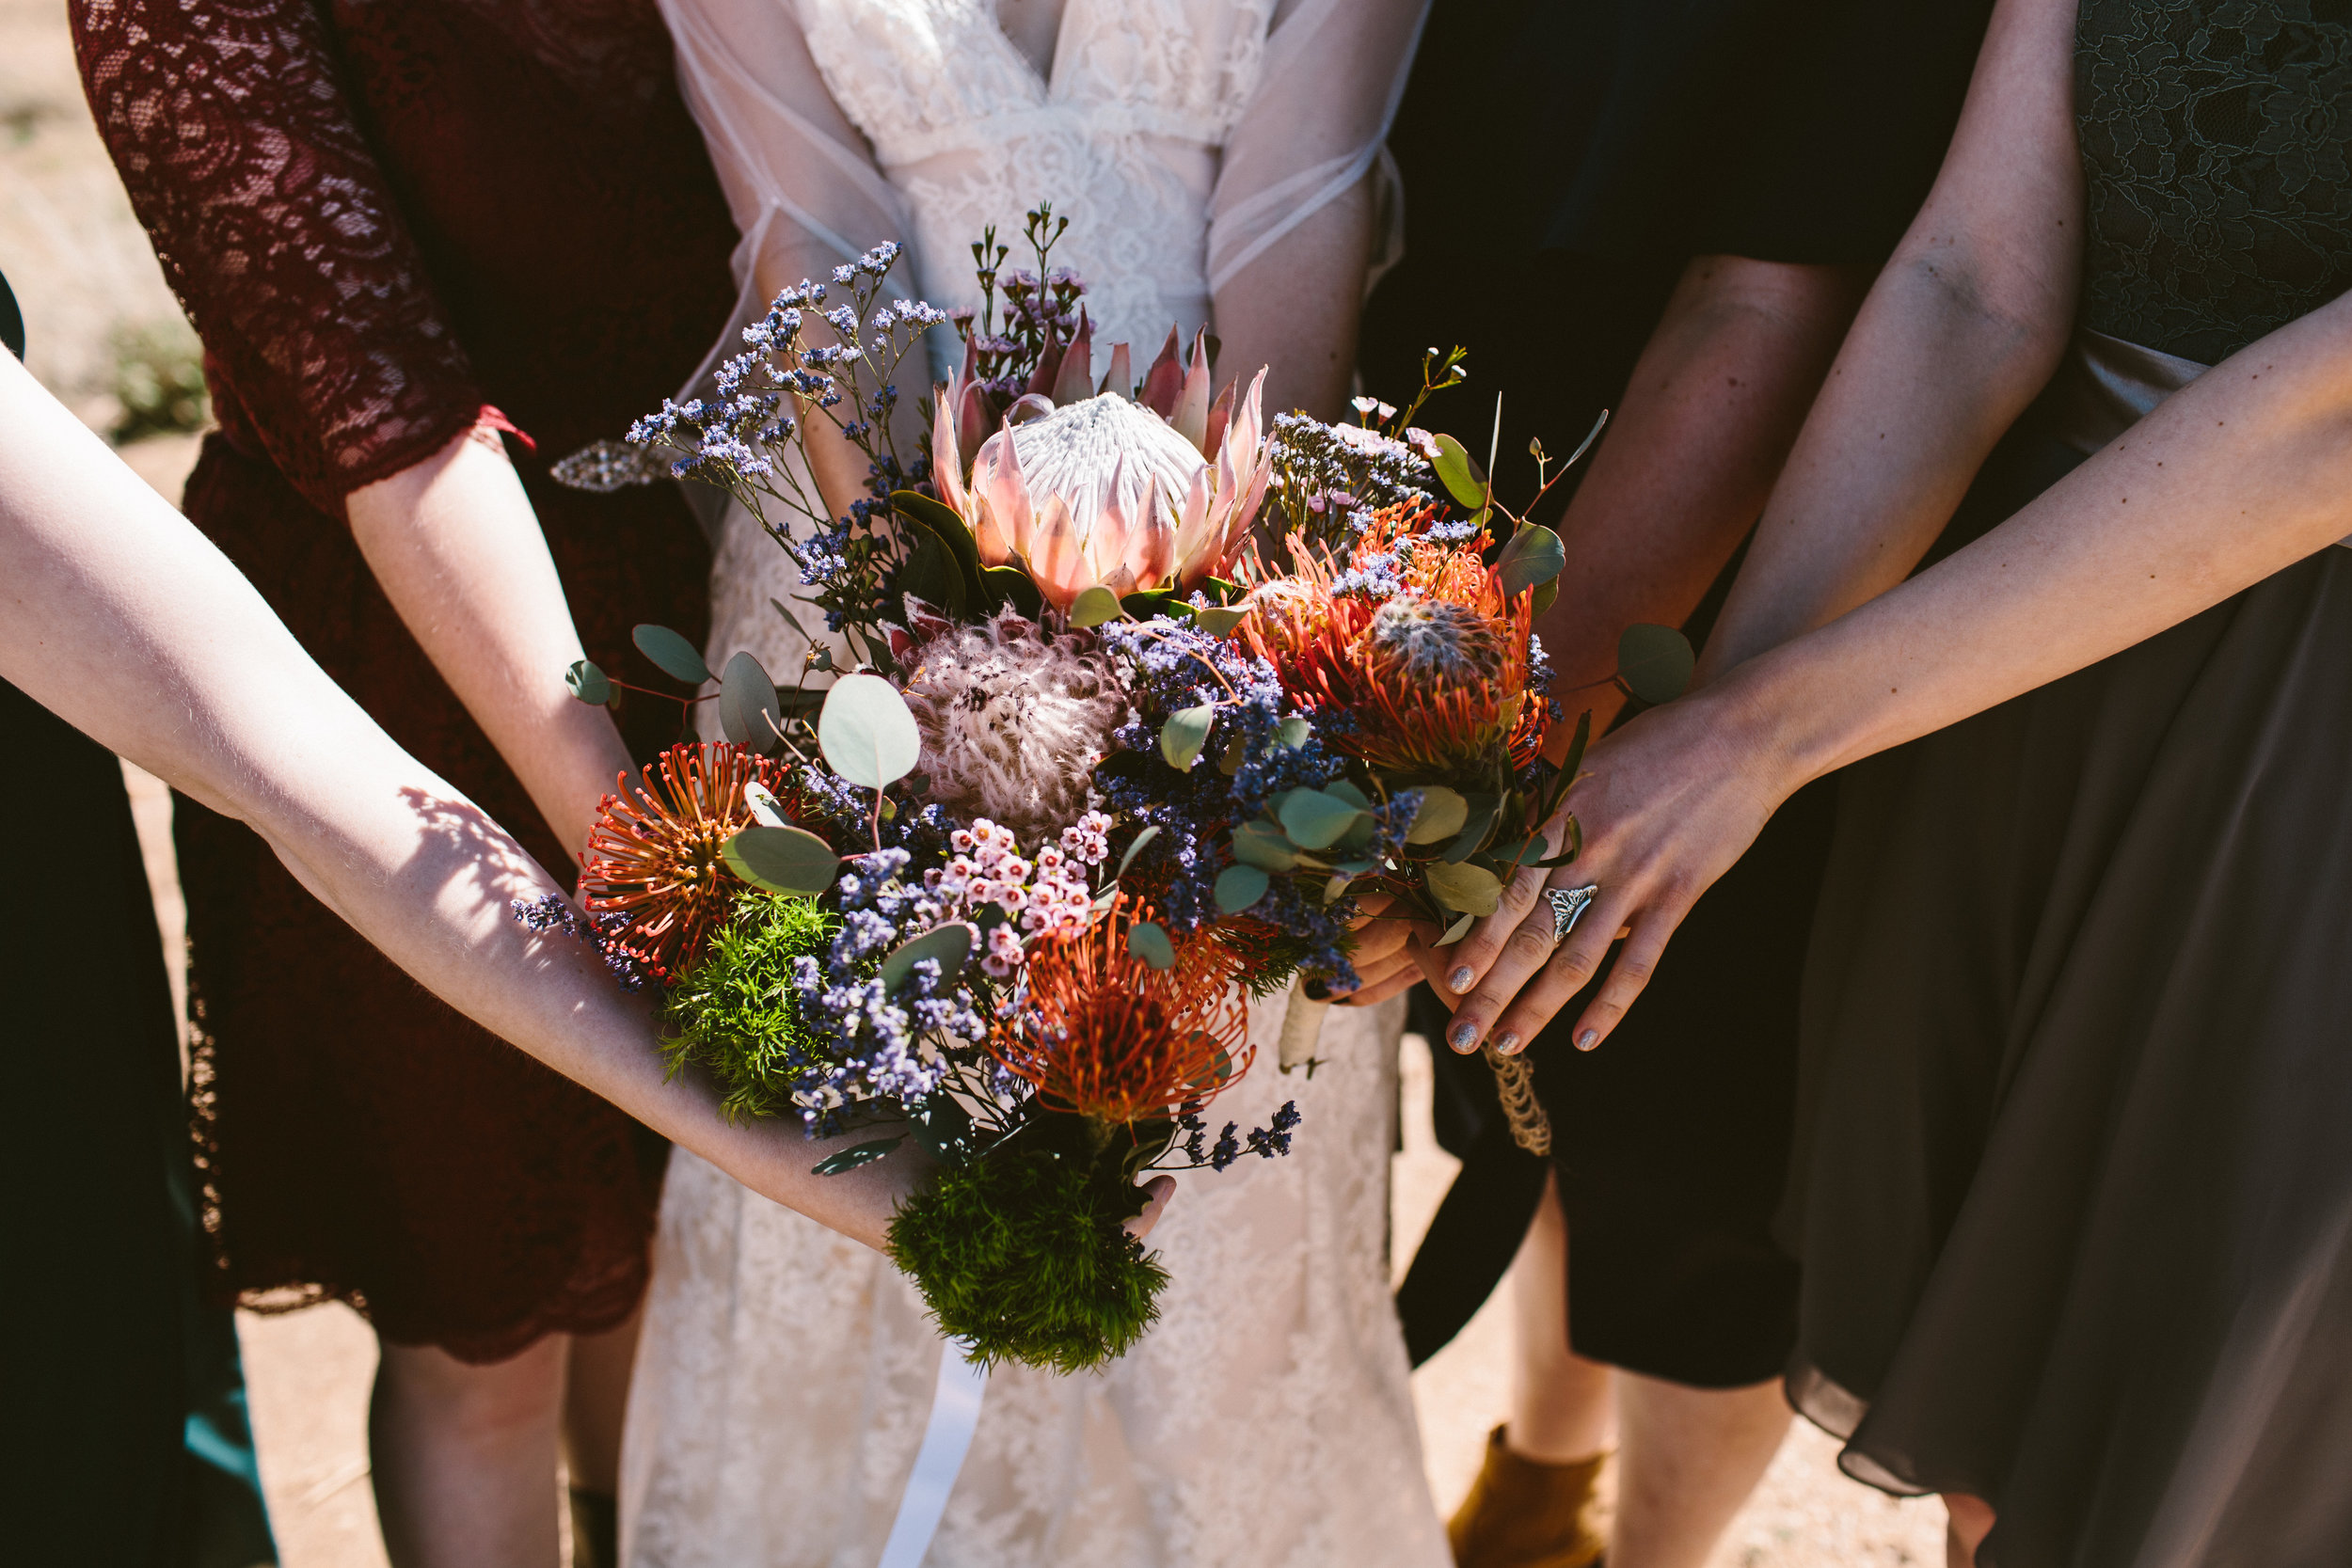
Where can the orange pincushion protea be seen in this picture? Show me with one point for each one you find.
(655, 854)
(1435, 671)
(1102, 1034)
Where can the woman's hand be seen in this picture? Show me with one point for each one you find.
(1666, 805)
(1387, 957)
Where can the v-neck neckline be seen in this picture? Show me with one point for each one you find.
(1042, 77)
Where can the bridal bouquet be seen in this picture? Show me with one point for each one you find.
(1090, 770)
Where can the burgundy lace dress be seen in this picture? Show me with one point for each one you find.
(390, 222)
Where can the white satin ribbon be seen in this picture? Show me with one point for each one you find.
(946, 1438)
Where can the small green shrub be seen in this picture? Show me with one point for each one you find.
(737, 1012)
(159, 382)
(1023, 1253)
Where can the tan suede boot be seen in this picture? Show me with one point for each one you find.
(1522, 1513)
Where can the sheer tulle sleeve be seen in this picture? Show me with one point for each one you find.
(799, 176)
(276, 229)
(1317, 123)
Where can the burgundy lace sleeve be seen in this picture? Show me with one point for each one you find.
(322, 336)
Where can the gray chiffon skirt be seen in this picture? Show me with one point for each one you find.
(2072, 1180)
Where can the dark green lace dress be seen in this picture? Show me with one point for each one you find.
(2074, 1182)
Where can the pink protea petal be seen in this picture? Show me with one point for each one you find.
(947, 452)
(974, 423)
(1191, 417)
(1104, 536)
(1056, 563)
(1006, 516)
(1221, 417)
(1122, 378)
(1165, 381)
(1151, 549)
(1197, 544)
(1076, 380)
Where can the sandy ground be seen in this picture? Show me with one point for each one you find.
(80, 264)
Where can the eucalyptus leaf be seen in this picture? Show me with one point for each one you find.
(1442, 813)
(1236, 753)
(1457, 931)
(866, 733)
(1478, 823)
(1314, 819)
(1349, 793)
(588, 683)
(942, 1127)
(1575, 758)
(849, 1159)
(1336, 889)
(781, 860)
(1454, 471)
(1264, 845)
(1094, 606)
(1547, 594)
(1240, 886)
(1148, 940)
(1183, 734)
(748, 709)
(951, 945)
(1136, 848)
(1521, 851)
(1471, 889)
(1533, 555)
(1220, 620)
(671, 654)
(1655, 661)
(1292, 733)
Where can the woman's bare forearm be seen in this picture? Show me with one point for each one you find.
(454, 544)
(1960, 331)
(1294, 309)
(1718, 396)
(117, 615)
(2242, 473)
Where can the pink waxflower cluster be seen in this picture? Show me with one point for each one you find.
(1052, 895)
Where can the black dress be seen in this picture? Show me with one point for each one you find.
(2073, 1190)
(1562, 163)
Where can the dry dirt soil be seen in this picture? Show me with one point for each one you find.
(81, 266)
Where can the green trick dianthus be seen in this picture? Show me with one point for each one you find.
(737, 1012)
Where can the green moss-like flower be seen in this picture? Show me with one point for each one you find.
(736, 1011)
(1023, 1253)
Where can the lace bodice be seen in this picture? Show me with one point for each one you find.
(2217, 143)
(1184, 138)
(1122, 136)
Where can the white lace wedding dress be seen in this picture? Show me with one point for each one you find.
(786, 1372)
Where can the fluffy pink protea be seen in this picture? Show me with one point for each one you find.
(1088, 488)
(1013, 720)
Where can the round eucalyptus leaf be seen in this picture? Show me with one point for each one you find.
(1454, 472)
(1264, 845)
(1147, 940)
(1457, 931)
(781, 860)
(1655, 661)
(671, 654)
(748, 709)
(1240, 886)
(1292, 733)
(1533, 555)
(1476, 827)
(588, 683)
(1094, 606)
(1183, 734)
(1442, 813)
(1220, 620)
(866, 733)
(1315, 820)
(951, 945)
(1471, 889)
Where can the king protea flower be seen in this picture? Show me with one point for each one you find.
(1101, 1034)
(1434, 670)
(1086, 488)
(655, 854)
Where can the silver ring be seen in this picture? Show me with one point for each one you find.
(1568, 905)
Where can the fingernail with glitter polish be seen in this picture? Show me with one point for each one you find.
(1460, 979)
(1462, 1035)
(1588, 1039)
(1507, 1042)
